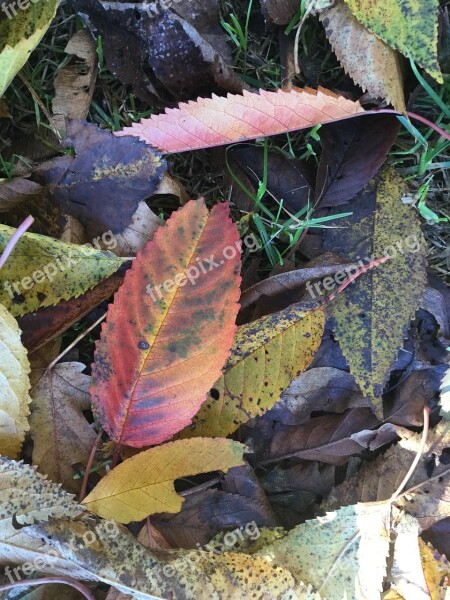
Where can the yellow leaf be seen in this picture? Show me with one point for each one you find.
(21, 30)
(14, 386)
(436, 569)
(342, 554)
(42, 271)
(371, 63)
(144, 484)
(410, 26)
(266, 356)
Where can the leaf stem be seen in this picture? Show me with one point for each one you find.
(426, 426)
(44, 580)
(89, 466)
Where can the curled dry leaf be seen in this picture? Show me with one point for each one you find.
(152, 371)
(14, 386)
(217, 121)
(74, 84)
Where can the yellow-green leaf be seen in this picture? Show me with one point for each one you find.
(41, 271)
(372, 316)
(410, 26)
(342, 554)
(21, 30)
(144, 484)
(372, 64)
(14, 386)
(266, 356)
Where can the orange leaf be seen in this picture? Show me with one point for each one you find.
(216, 121)
(170, 329)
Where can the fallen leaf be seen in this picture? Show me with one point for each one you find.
(20, 33)
(138, 232)
(61, 434)
(40, 271)
(372, 316)
(280, 12)
(410, 26)
(412, 395)
(436, 570)
(17, 190)
(332, 439)
(144, 484)
(186, 56)
(288, 180)
(434, 302)
(103, 184)
(14, 386)
(429, 500)
(371, 63)
(164, 367)
(74, 84)
(45, 324)
(217, 121)
(343, 554)
(353, 151)
(320, 389)
(266, 355)
(314, 477)
(27, 497)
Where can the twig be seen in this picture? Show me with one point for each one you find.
(15, 238)
(89, 466)
(44, 580)
(426, 426)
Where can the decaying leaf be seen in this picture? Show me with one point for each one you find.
(266, 355)
(62, 436)
(353, 151)
(410, 26)
(429, 500)
(74, 84)
(103, 184)
(42, 271)
(138, 232)
(217, 121)
(144, 484)
(332, 439)
(371, 63)
(17, 190)
(372, 316)
(14, 386)
(26, 497)
(182, 51)
(152, 371)
(45, 324)
(280, 12)
(21, 30)
(436, 570)
(342, 554)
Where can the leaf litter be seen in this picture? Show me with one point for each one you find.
(297, 447)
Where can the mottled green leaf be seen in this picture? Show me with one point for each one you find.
(372, 316)
(21, 30)
(41, 271)
(410, 26)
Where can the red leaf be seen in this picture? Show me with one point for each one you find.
(160, 352)
(217, 121)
